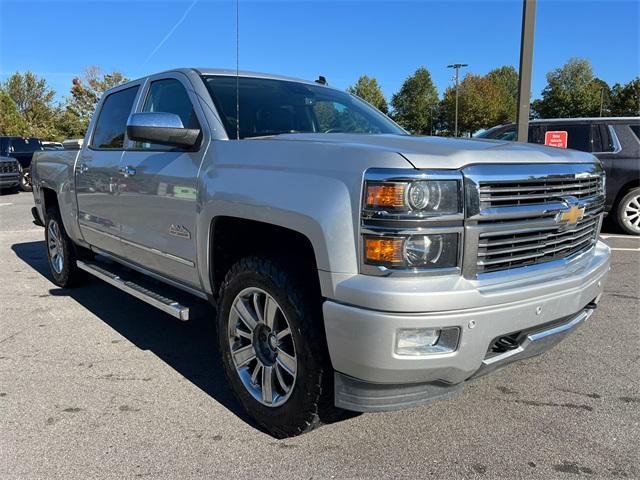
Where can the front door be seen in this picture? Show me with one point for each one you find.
(97, 173)
(157, 192)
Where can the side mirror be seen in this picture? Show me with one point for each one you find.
(162, 128)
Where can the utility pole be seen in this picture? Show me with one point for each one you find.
(601, 100)
(457, 67)
(524, 77)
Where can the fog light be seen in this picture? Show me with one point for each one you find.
(426, 341)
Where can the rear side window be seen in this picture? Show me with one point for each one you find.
(578, 136)
(169, 96)
(112, 121)
(636, 130)
(25, 145)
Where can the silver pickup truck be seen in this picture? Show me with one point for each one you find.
(353, 266)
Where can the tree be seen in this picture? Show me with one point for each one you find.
(625, 100)
(368, 89)
(33, 100)
(86, 93)
(506, 80)
(415, 104)
(480, 104)
(11, 122)
(571, 91)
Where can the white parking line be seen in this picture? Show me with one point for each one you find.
(625, 249)
(5, 204)
(628, 237)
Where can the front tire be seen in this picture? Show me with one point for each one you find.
(61, 252)
(273, 347)
(25, 180)
(628, 212)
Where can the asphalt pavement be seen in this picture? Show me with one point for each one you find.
(96, 384)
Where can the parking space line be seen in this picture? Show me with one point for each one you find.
(5, 204)
(620, 249)
(627, 237)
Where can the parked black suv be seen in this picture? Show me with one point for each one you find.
(22, 149)
(615, 141)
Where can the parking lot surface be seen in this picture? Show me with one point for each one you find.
(96, 384)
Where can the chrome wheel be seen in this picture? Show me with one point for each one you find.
(262, 347)
(56, 251)
(631, 213)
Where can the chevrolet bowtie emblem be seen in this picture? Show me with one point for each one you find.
(572, 216)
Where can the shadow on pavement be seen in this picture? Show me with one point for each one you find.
(188, 347)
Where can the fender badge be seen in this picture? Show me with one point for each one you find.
(179, 231)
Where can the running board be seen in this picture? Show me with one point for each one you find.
(167, 305)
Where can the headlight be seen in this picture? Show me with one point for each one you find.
(429, 251)
(423, 197)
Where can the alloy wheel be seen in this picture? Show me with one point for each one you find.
(56, 251)
(262, 347)
(631, 213)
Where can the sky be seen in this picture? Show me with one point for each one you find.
(340, 40)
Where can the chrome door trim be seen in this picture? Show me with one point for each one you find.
(151, 274)
(160, 253)
(95, 230)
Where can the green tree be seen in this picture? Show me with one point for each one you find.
(571, 91)
(86, 92)
(33, 100)
(625, 99)
(368, 89)
(415, 105)
(506, 80)
(480, 104)
(11, 122)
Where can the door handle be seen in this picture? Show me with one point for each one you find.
(83, 168)
(127, 171)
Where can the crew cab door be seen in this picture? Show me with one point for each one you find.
(96, 171)
(158, 187)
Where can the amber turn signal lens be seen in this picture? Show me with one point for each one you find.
(385, 196)
(383, 250)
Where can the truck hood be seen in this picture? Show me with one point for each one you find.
(440, 152)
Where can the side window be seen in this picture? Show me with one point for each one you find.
(536, 134)
(636, 130)
(169, 96)
(578, 136)
(112, 121)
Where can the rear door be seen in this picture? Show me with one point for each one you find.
(97, 172)
(158, 197)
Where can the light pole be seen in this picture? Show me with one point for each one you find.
(524, 76)
(457, 67)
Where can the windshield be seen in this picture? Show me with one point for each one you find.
(25, 145)
(272, 107)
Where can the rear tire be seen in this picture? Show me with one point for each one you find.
(287, 348)
(25, 180)
(628, 212)
(61, 252)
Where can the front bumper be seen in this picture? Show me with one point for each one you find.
(361, 340)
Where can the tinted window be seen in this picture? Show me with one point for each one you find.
(169, 96)
(578, 136)
(112, 122)
(25, 145)
(636, 130)
(273, 107)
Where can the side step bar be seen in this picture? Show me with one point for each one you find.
(161, 302)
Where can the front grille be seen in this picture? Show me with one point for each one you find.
(8, 167)
(509, 193)
(520, 215)
(513, 250)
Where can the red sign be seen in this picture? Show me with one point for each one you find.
(556, 139)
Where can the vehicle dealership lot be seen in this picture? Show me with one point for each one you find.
(94, 383)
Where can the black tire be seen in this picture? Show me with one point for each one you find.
(63, 269)
(25, 180)
(628, 212)
(312, 389)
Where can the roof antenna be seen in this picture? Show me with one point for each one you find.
(237, 69)
(322, 80)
